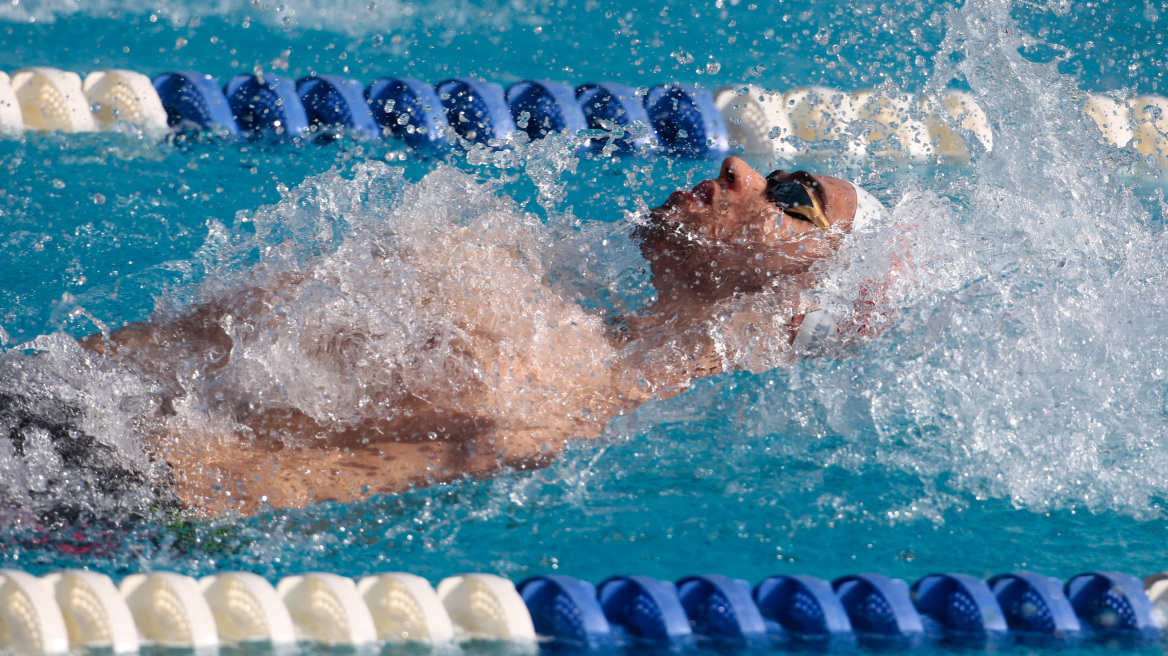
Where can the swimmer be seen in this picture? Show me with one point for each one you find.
(485, 405)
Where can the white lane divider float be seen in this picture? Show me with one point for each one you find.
(95, 613)
(963, 109)
(1149, 116)
(170, 611)
(763, 121)
(327, 608)
(823, 114)
(769, 122)
(120, 95)
(486, 607)
(1156, 587)
(84, 610)
(819, 113)
(11, 118)
(405, 608)
(756, 120)
(895, 124)
(30, 621)
(247, 609)
(52, 99)
(1113, 118)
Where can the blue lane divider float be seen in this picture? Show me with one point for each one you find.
(611, 106)
(1113, 602)
(687, 121)
(720, 609)
(477, 110)
(336, 103)
(566, 610)
(1035, 604)
(543, 107)
(645, 609)
(193, 101)
(270, 105)
(959, 605)
(879, 606)
(806, 608)
(409, 110)
(684, 118)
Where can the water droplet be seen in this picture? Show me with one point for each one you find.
(713, 67)
(377, 40)
(99, 199)
(683, 57)
(58, 183)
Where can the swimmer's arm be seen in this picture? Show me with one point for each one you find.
(240, 475)
(202, 325)
(661, 363)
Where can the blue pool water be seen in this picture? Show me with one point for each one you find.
(1014, 419)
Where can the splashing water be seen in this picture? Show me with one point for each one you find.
(1021, 366)
(343, 17)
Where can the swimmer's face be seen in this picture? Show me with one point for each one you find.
(725, 236)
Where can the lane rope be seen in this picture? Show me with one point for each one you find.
(676, 120)
(75, 609)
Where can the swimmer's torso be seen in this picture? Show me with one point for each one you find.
(422, 367)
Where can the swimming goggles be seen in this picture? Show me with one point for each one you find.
(794, 196)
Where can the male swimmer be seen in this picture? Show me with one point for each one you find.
(484, 406)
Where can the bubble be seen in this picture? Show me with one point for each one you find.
(98, 199)
(682, 57)
(377, 40)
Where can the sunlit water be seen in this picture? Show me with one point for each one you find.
(1014, 417)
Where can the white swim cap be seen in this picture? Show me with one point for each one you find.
(868, 209)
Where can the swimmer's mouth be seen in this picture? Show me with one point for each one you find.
(701, 195)
(677, 197)
(663, 223)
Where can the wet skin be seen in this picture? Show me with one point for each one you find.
(720, 241)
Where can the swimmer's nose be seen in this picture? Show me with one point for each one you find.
(739, 177)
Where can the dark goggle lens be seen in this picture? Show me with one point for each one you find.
(788, 194)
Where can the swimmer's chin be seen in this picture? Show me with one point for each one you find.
(658, 239)
(664, 227)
